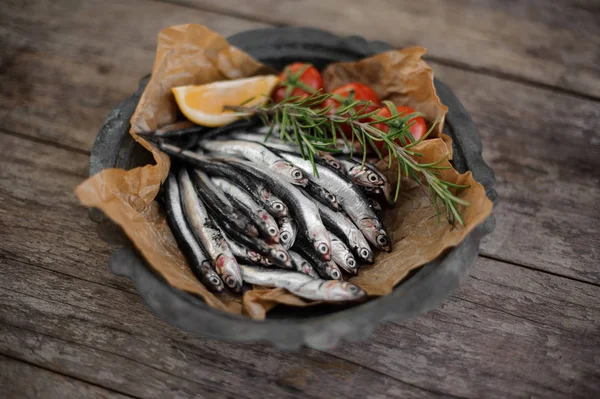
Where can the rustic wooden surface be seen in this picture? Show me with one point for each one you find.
(525, 324)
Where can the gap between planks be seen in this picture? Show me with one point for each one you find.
(58, 372)
(440, 60)
(95, 348)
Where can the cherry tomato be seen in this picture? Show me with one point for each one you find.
(418, 128)
(352, 92)
(311, 79)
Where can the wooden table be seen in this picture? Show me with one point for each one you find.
(525, 324)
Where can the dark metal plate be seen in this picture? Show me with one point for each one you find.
(317, 327)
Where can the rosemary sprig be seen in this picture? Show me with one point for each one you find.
(315, 128)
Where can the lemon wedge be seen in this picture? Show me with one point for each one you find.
(203, 104)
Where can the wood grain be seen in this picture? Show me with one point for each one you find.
(22, 380)
(65, 64)
(544, 148)
(553, 43)
(466, 347)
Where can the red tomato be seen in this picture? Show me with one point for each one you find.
(311, 79)
(352, 92)
(418, 128)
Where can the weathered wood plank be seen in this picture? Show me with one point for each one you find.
(22, 380)
(40, 221)
(544, 148)
(550, 139)
(553, 43)
(466, 347)
(145, 361)
(66, 63)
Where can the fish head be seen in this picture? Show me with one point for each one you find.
(211, 279)
(230, 272)
(365, 177)
(352, 265)
(372, 230)
(280, 256)
(291, 172)
(322, 244)
(335, 164)
(333, 271)
(268, 226)
(342, 291)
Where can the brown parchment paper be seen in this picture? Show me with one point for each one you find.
(192, 54)
(399, 76)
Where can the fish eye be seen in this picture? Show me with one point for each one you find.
(214, 280)
(285, 236)
(323, 248)
(351, 261)
(272, 231)
(364, 253)
(335, 274)
(281, 255)
(352, 288)
(296, 174)
(372, 178)
(230, 281)
(268, 262)
(382, 239)
(330, 197)
(278, 206)
(335, 164)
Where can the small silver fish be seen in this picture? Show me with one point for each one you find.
(193, 252)
(363, 175)
(351, 198)
(244, 254)
(342, 256)
(304, 211)
(344, 229)
(272, 203)
(287, 231)
(303, 285)
(302, 265)
(265, 222)
(208, 235)
(259, 154)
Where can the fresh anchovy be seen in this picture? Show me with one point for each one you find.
(343, 228)
(334, 163)
(321, 194)
(351, 198)
(274, 252)
(259, 154)
(375, 205)
(261, 218)
(303, 285)
(244, 254)
(363, 175)
(325, 269)
(216, 168)
(342, 256)
(384, 193)
(208, 235)
(195, 255)
(302, 265)
(302, 209)
(287, 232)
(220, 205)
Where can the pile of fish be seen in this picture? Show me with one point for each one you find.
(248, 210)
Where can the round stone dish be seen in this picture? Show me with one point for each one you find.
(289, 328)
